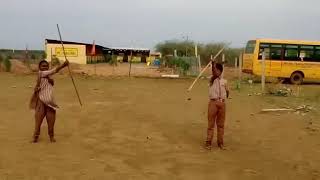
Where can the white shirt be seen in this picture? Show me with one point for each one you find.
(218, 89)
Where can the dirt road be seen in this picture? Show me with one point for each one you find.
(147, 129)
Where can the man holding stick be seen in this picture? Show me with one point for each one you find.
(218, 93)
(43, 101)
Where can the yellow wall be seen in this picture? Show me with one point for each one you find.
(75, 53)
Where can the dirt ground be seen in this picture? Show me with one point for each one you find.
(137, 128)
(122, 69)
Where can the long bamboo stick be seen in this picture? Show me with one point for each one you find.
(65, 56)
(215, 57)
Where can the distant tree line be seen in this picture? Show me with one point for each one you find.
(23, 54)
(205, 50)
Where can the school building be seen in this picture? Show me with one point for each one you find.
(84, 53)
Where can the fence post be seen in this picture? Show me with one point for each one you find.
(51, 56)
(239, 72)
(263, 76)
(199, 62)
(130, 64)
(235, 63)
(223, 60)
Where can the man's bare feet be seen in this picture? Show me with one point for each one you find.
(208, 145)
(52, 140)
(35, 140)
(222, 147)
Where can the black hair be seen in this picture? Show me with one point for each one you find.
(219, 67)
(43, 61)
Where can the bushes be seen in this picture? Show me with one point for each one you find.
(179, 63)
(55, 61)
(1, 60)
(7, 64)
(187, 48)
(114, 60)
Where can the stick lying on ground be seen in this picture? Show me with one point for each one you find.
(304, 108)
(215, 57)
(276, 110)
(65, 56)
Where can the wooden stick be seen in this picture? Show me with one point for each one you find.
(277, 110)
(194, 82)
(65, 56)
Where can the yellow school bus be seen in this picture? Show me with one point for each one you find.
(284, 59)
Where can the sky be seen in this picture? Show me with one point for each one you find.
(144, 23)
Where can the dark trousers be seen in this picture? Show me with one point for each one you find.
(41, 111)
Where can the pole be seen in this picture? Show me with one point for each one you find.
(263, 76)
(203, 70)
(199, 62)
(235, 63)
(196, 50)
(95, 66)
(51, 56)
(239, 71)
(223, 60)
(65, 56)
(235, 69)
(130, 64)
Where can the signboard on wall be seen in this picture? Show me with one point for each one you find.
(70, 52)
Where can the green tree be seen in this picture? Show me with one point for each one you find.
(7, 64)
(186, 48)
(33, 57)
(44, 55)
(1, 60)
(55, 61)
(183, 48)
(114, 60)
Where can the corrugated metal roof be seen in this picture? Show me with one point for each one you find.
(53, 41)
(130, 48)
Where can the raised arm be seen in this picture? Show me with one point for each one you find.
(54, 70)
(66, 63)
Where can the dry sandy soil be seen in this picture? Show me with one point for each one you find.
(121, 70)
(147, 129)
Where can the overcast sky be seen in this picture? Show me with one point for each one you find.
(144, 23)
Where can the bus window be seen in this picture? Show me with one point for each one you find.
(250, 47)
(291, 53)
(316, 56)
(276, 52)
(264, 47)
(306, 53)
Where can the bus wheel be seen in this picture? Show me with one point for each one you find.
(296, 78)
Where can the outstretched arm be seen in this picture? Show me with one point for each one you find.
(54, 70)
(66, 63)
